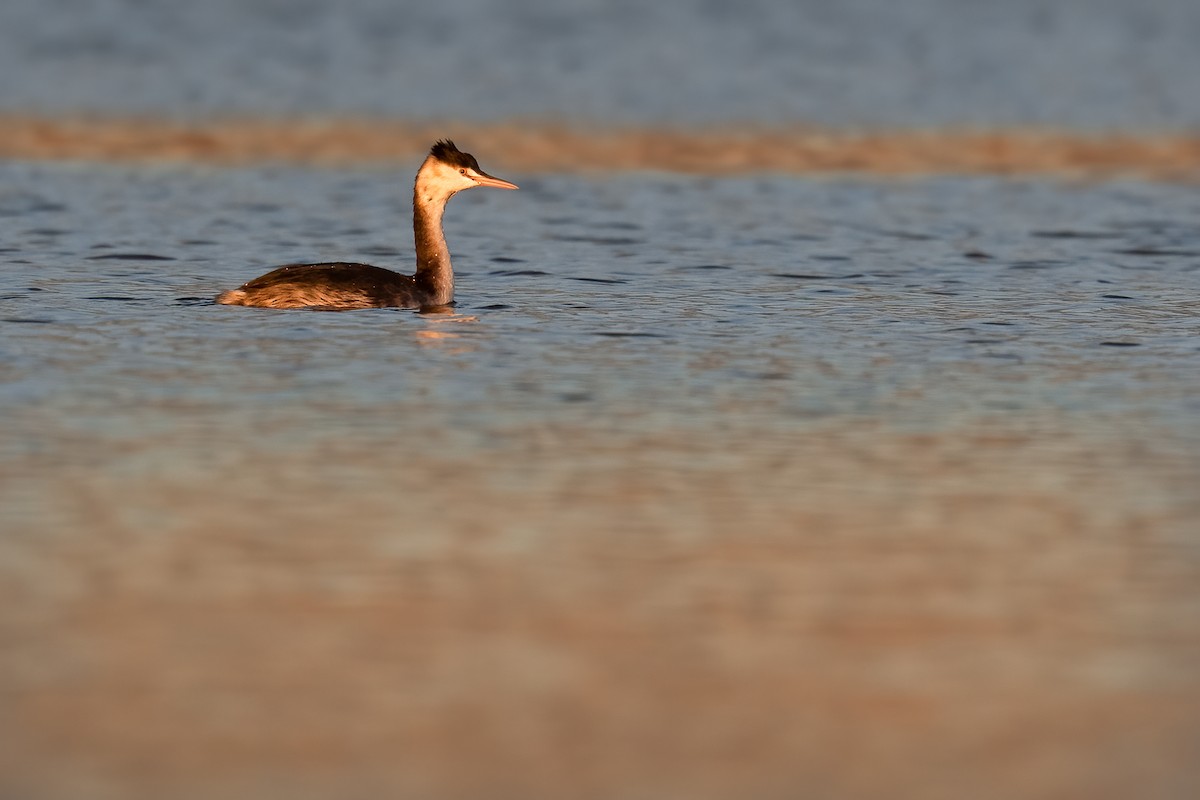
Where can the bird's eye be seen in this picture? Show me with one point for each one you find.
(463, 171)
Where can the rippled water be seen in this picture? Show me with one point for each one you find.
(1099, 63)
(980, 292)
(700, 475)
(709, 488)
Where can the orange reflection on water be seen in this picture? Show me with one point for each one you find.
(436, 335)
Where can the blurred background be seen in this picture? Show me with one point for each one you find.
(921, 63)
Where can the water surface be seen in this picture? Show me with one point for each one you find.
(705, 487)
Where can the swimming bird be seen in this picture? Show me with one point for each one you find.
(336, 286)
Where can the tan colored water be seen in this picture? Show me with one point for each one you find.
(853, 613)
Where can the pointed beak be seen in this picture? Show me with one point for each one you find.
(483, 179)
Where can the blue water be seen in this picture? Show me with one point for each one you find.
(655, 300)
(1083, 63)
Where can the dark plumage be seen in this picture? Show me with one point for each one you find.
(445, 151)
(333, 285)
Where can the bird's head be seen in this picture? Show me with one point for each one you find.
(448, 170)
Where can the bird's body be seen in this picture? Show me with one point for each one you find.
(333, 285)
(341, 285)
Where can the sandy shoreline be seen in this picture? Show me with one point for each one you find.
(553, 147)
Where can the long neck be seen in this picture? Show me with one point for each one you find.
(434, 275)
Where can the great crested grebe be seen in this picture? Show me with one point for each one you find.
(445, 171)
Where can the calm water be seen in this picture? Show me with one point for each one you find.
(1096, 63)
(755, 487)
(804, 300)
(700, 475)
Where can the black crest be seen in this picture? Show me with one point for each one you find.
(445, 151)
